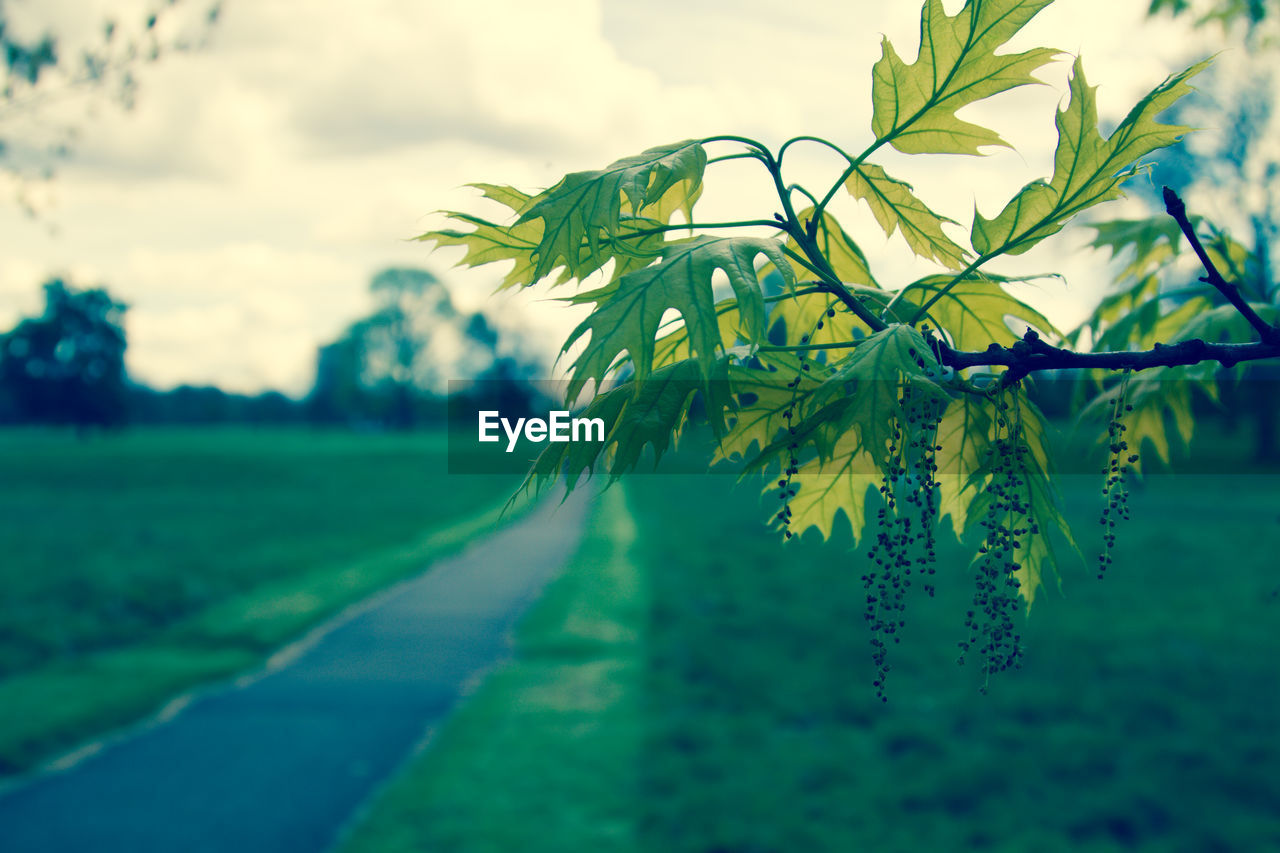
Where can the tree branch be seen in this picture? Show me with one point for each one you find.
(1178, 210)
(1032, 354)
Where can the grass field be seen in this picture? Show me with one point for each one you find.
(1144, 715)
(1143, 718)
(135, 565)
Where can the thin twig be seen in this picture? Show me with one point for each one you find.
(1178, 210)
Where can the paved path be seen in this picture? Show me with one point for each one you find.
(281, 763)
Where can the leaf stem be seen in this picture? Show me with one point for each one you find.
(803, 291)
(745, 140)
(804, 192)
(816, 261)
(659, 229)
(742, 155)
(818, 139)
(956, 279)
(808, 347)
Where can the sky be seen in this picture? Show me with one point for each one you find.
(243, 204)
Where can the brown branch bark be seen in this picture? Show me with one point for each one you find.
(1178, 210)
(1032, 354)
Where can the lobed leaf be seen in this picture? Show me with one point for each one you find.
(763, 397)
(1156, 397)
(877, 370)
(636, 415)
(827, 487)
(1087, 169)
(628, 312)
(1155, 242)
(795, 320)
(489, 242)
(675, 346)
(842, 254)
(964, 434)
(914, 106)
(1035, 555)
(579, 213)
(973, 311)
(897, 208)
(1221, 323)
(1147, 325)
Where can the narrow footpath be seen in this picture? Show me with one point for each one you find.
(281, 762)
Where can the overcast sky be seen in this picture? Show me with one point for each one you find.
(243, 205)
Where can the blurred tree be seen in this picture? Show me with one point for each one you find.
(66, 366)
(1224, 12)
(338, 396)
(413, 310)
(42, 67)
(206, 405)
(391, 368)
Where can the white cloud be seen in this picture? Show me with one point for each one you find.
(243, 206)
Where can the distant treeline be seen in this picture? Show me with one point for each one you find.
(388, 370)
(203, 405)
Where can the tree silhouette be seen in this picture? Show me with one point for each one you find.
(387, 366)
(66, 366)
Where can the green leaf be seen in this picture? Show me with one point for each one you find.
(897, 208)
(973, 311)
(659, 407)
(1146, 326)
(1238, 264)
(584, 208)
(964, 434)
(1154, 241)
(763, 398)
(897, 353)
(1220, 323)
(674, 346)
(1087, 169)
(575, 459)
(1154, 397)
(797, 318)
(828, 487)
(1035, 554)
(878, 369)
(629, 310)
(636, 415)
(488, 242)
(915, 105)
(1117, 305)
(843, 255)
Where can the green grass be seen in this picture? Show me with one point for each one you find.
(691, 684)
(544, 756)
(137, 565)
(1143, 717)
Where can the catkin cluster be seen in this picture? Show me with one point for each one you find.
(1008, 521)
(905, 521)
(1115, 486)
